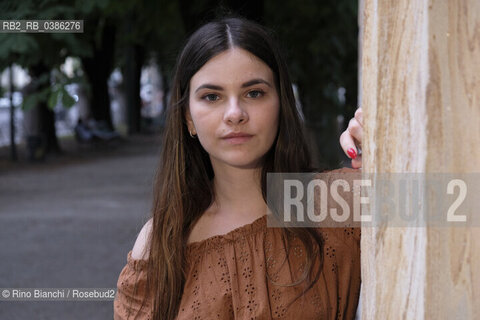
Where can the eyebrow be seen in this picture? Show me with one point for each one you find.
(244, 85)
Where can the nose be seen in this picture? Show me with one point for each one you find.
(235, 113)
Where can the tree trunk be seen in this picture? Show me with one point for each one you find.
(133, 72)
(419, 91)
(98, 69)
(47, 128)
(40, 121)
(13, 146)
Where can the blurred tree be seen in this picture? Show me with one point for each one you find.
(99, 36)
(39, 53)
(128, 34)
(144, 30)
(171, 35)
(149, 29)
(196, 13)
(321, 42)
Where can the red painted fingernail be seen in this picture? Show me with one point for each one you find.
(351, 152)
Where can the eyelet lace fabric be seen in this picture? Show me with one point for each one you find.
(227, 277)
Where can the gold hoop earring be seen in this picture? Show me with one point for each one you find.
(193, 136)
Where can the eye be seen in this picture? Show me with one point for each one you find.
(255, 94)
(210, 97)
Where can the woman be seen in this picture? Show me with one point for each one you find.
(207, 253)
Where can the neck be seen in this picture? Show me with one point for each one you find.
(238, 192)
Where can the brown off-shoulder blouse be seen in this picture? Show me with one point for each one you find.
(227, 275)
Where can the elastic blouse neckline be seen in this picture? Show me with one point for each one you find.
(231, 236)
(212, 242)
(136, 264)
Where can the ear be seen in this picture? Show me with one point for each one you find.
(190, 125)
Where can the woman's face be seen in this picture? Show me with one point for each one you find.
(234, 92)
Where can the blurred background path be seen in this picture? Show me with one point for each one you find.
(70, 222)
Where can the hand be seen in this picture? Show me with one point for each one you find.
(351, 139)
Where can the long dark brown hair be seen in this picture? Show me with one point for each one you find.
(183, 187)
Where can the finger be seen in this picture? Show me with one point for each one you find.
(348, 144)
(357, 162)
(359, 116)
(355, 129)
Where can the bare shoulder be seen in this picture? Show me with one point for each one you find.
(140, 248)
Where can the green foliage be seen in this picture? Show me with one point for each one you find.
(67, 99)
(35, 98)
(320, 39)
(15, 45)
(53, 98)
(154, 25)
(51, 94)
(30, 49)
(49, 49)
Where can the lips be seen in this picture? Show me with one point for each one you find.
(237, 135)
